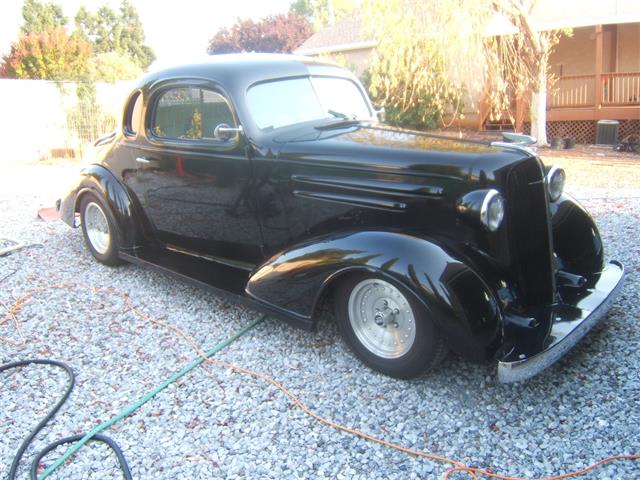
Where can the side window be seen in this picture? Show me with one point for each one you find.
(133, 114)
(190, 113)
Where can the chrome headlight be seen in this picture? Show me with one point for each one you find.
(555, 182)
(482, 207)
(492, 210)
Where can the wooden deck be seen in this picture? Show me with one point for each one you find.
(600, 95)
(576, 97)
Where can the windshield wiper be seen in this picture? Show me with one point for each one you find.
(346, 116)
(338, 123)
(341, 120)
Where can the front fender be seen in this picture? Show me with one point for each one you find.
(457, 299)
(99, 180)
(576, 240)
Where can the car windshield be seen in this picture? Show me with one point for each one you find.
(289, 101)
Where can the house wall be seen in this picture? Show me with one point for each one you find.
(629, 47)
(357, 61)
(575, 55)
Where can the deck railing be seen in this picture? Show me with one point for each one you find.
(573, 91)
(618, 89)
(621, 88)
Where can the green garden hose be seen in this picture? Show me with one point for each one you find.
(94, 434)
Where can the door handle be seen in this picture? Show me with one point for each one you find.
(142, 160)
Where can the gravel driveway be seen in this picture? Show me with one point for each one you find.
(216, 423)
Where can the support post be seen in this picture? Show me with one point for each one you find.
(598, 68)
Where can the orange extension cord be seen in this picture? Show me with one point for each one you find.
(457, 467)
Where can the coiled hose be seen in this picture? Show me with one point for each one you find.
(94, 435)
(74, 438)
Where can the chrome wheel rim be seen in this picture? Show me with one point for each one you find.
(382, 319)
(97, 228)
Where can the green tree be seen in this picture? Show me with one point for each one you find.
(410, 73)
(41, 17)
(323, 12)
(304, 8)
(49, 55)
(116, 31)
(112, 66)
(432, 51)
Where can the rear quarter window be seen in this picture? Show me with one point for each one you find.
(133, 115)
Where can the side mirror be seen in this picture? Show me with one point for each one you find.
(226, 132)
(380, 113)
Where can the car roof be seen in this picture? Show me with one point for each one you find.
(241, 70)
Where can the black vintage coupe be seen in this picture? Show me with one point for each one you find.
(267, 178)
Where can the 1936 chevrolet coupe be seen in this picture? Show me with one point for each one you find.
(267, 178)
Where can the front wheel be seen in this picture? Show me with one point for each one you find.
(99, 230)
(386, 327)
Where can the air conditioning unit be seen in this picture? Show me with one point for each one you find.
(607, 132)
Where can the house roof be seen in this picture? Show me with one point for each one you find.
(348, 33)
(550, 14)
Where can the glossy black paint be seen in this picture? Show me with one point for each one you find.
(296, 278)
(576, 240)
(197, 199)
(221, 279)
(283, 213)
(99, 180)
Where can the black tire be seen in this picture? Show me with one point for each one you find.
(428, 347)
(109, 255)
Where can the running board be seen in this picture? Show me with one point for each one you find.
(223, 280)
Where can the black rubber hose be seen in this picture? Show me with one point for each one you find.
(52, 412)
(27, 441)
(96, 438)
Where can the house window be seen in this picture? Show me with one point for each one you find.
(190, 113)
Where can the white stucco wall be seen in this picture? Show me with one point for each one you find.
(33, 118)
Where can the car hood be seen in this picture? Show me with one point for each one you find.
(396, 150)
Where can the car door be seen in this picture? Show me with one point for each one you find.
(195, 189)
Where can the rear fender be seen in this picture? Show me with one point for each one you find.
(99, 180)
(459, 301)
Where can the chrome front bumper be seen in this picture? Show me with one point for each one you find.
(569, 322)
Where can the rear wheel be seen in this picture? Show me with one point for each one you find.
(98, 229)
(386, 327)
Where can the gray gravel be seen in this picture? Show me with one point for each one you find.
(217, 423)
